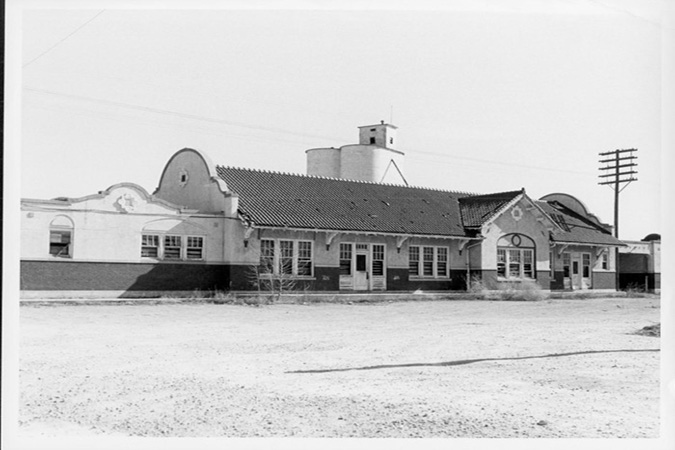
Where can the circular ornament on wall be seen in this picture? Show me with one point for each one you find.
(517, 213)
(516, 240)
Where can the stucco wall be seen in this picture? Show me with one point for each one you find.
(508, 223)
(108, 226)
(189, 180)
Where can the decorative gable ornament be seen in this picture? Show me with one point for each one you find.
(126, 203)
(517, 213)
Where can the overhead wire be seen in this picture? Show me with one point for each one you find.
(63, 39)
(412, 154)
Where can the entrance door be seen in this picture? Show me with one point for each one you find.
(576, 271)
(361, 275)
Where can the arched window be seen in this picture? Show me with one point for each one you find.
(61, 237)
(515, 257)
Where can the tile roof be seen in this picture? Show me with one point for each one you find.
(316, 203)
(478, 209)
(576, 228)
(307, 202)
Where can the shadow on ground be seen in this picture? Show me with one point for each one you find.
(471, 361)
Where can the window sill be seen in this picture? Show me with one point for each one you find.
(159, 260)
(289, 277)
(515, 280)
(428, 277)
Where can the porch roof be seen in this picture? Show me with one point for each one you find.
(576, 228)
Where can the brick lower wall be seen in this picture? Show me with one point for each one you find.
(102, 276)
(604, 280)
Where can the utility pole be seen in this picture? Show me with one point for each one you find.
(618, 171)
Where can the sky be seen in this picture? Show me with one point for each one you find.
(487, 96)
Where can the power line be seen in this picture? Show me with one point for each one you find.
(501, 163)
(174, 113)
(59, 42)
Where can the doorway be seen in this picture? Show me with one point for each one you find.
(361, 273)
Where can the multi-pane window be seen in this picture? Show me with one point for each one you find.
(604, 260)
(304, 258)
(267, 256)
(428, 261)
(501, 263)
(378, 260)
(286, 257)
(59, 243)
(345, 259)
(150, 246)
(195, 247)
(442, 261)
(528, 267)
(414, 261)
(515, 263)
(172, 247)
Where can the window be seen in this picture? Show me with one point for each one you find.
(515, 257)
(59, 243)
(501, 263)
(195, 247)
(414, 261)
(372, 139)
(284, 257)
(433, 263)
(172, 247)
(61, 237)
(267, 256)
(304, 258)
(345, 259)
(150, 246)
(528, 268)
(428, 261)
(378, 260)
(604, 260)
(442, 261)
(515, 263)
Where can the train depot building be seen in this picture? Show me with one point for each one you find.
(351, 224)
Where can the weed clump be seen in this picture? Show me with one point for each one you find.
(524, 290)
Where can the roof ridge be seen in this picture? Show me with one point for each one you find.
(275, 172)
(495, 194)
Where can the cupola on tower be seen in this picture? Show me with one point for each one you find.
(373, 159)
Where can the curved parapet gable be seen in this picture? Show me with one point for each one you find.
(121, 198)
(190, 180)
(574, 204)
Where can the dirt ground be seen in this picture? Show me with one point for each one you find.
(555, 368)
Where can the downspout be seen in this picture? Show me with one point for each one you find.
(468, 263)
